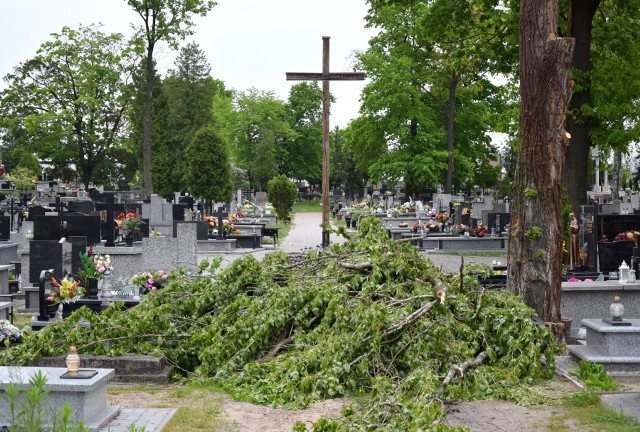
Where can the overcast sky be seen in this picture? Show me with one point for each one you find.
(248, 43)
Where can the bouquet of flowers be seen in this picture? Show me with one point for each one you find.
(480, 230)
(442, 217)
(151, 281)
(628, 236)
(432, 227)
(10, 333)
(130, 222)
(94, 266)
(226, 225)
(65, 291)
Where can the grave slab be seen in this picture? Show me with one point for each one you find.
(86, 397)
(617, 348)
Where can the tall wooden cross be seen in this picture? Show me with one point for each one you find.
(325, 77)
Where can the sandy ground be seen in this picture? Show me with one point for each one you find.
(479, 416)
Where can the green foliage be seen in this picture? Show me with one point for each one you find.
(209, 170)
(534, 233)
(594, 377)
(282, 194)
(584, 399)
(530, 193)
(68, 103)
(289, 331)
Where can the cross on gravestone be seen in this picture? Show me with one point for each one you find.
(325, 77)
(59, 206)
(220, 214)
(110, 206)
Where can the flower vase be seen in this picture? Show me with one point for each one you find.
(92, 288)
(136, 293)
(129, 239)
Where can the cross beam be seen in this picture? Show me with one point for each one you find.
(325, 77)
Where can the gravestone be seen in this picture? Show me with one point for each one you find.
(5, 228)
(178, 211)
(47, 228)
(84, 207)
(611, 225)
(123, 185)
(187, 201)
(110, 206)
(86, 226)
(37, 211)
(48, 254)
(588, 235)
(499, 221)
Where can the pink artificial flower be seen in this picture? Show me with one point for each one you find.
(572, 279)
(588, 280)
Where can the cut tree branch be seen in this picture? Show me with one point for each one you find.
(460, 370)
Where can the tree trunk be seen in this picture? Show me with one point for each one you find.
(146, 124)
(451, 114)
(580, 14)
(535, 246)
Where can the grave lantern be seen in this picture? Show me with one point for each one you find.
(623, 272)
(616, 310)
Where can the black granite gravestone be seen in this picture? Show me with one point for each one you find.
(37, 211)
(611, 255)
(110, 206)
(498, 221)
(202, 229)
(84, 207)
(178, 211)
(45, 254)
(611, 225)
(82, 226)
(78, 245)
(47, 228)
(188, 201)
(5, 228)
(123, 185)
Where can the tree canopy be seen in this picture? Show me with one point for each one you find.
(68, 104)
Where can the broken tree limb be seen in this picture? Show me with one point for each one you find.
(460, 370)
(276, 349)
(359, 266)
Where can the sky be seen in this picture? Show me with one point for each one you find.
(248, 43)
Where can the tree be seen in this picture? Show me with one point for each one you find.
(208, 173)
(282, 194)
(260, 125)
(301, 157)
(426, 112)
(606, 69)
(535, 246)
(68, 104)
(168, 21)
(188, 93)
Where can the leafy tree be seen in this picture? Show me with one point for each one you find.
(429, 89)
(301, 157)
(260, 125)
(282, 194)
(208, 169)
(68, 103)
(168, 21)
(188, 93)
(535, 245)
(344, 172)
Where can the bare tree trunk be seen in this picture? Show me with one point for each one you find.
(535, 246)
(451, 115)
(146, 124)
(580, 14)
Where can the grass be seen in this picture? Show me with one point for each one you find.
(311, 206)
(585, 412)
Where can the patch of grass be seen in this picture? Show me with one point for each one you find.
(311, 206)
(584, 411)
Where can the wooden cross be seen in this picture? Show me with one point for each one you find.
(220, 214)
(325, 77)
(110, 206)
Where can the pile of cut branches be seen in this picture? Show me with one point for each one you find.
(369, 318)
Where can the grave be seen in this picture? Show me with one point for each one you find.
(87, 398)
(497, 222)
(616, 347)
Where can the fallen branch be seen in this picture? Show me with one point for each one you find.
(460, 370)
(410, 319)
(360, 266)
(276, 349)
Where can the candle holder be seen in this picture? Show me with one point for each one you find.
(616, 310)
(73, 362)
